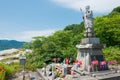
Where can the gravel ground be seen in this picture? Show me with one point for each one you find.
(18, 76)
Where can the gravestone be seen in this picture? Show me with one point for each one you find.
(90, 48)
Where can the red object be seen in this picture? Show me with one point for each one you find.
(95, 62)
(114, 62)
(103, 63)
(76, 61)
(80, 62)
(72, 72)
(67, 61)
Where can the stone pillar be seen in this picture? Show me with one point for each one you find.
(64, 70)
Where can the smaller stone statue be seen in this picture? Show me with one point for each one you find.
(88, 22)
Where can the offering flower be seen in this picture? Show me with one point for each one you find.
(95, 62)
(94, 65)
(114, 62)
(103, 63)
(109, 62)
(78, 63)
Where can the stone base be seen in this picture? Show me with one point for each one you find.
(90, 46)
(90, 41)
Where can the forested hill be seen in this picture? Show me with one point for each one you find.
(8, 44)
(63, 42)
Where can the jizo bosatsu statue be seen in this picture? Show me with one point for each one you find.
(88, 22)
(90, 49)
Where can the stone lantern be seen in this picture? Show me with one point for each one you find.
(22, 62)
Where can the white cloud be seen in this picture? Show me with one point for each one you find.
(27, 35)
(99, 6)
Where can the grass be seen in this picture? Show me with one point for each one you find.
(11, 69)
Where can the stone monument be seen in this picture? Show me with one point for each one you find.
(90, 48)
(90, 54)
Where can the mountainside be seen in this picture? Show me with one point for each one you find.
(8, 44)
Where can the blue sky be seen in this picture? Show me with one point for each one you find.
(22, 19)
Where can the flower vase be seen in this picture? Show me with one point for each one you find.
(96, 66)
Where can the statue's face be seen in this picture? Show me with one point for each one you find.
(88, 14)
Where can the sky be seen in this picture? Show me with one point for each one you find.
(23, 19)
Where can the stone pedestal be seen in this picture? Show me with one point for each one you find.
(90, 49)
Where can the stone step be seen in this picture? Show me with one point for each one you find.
(34, 76)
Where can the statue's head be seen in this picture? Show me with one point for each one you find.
(87, 8)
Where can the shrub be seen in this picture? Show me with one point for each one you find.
(2, 73)
(112, 53)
